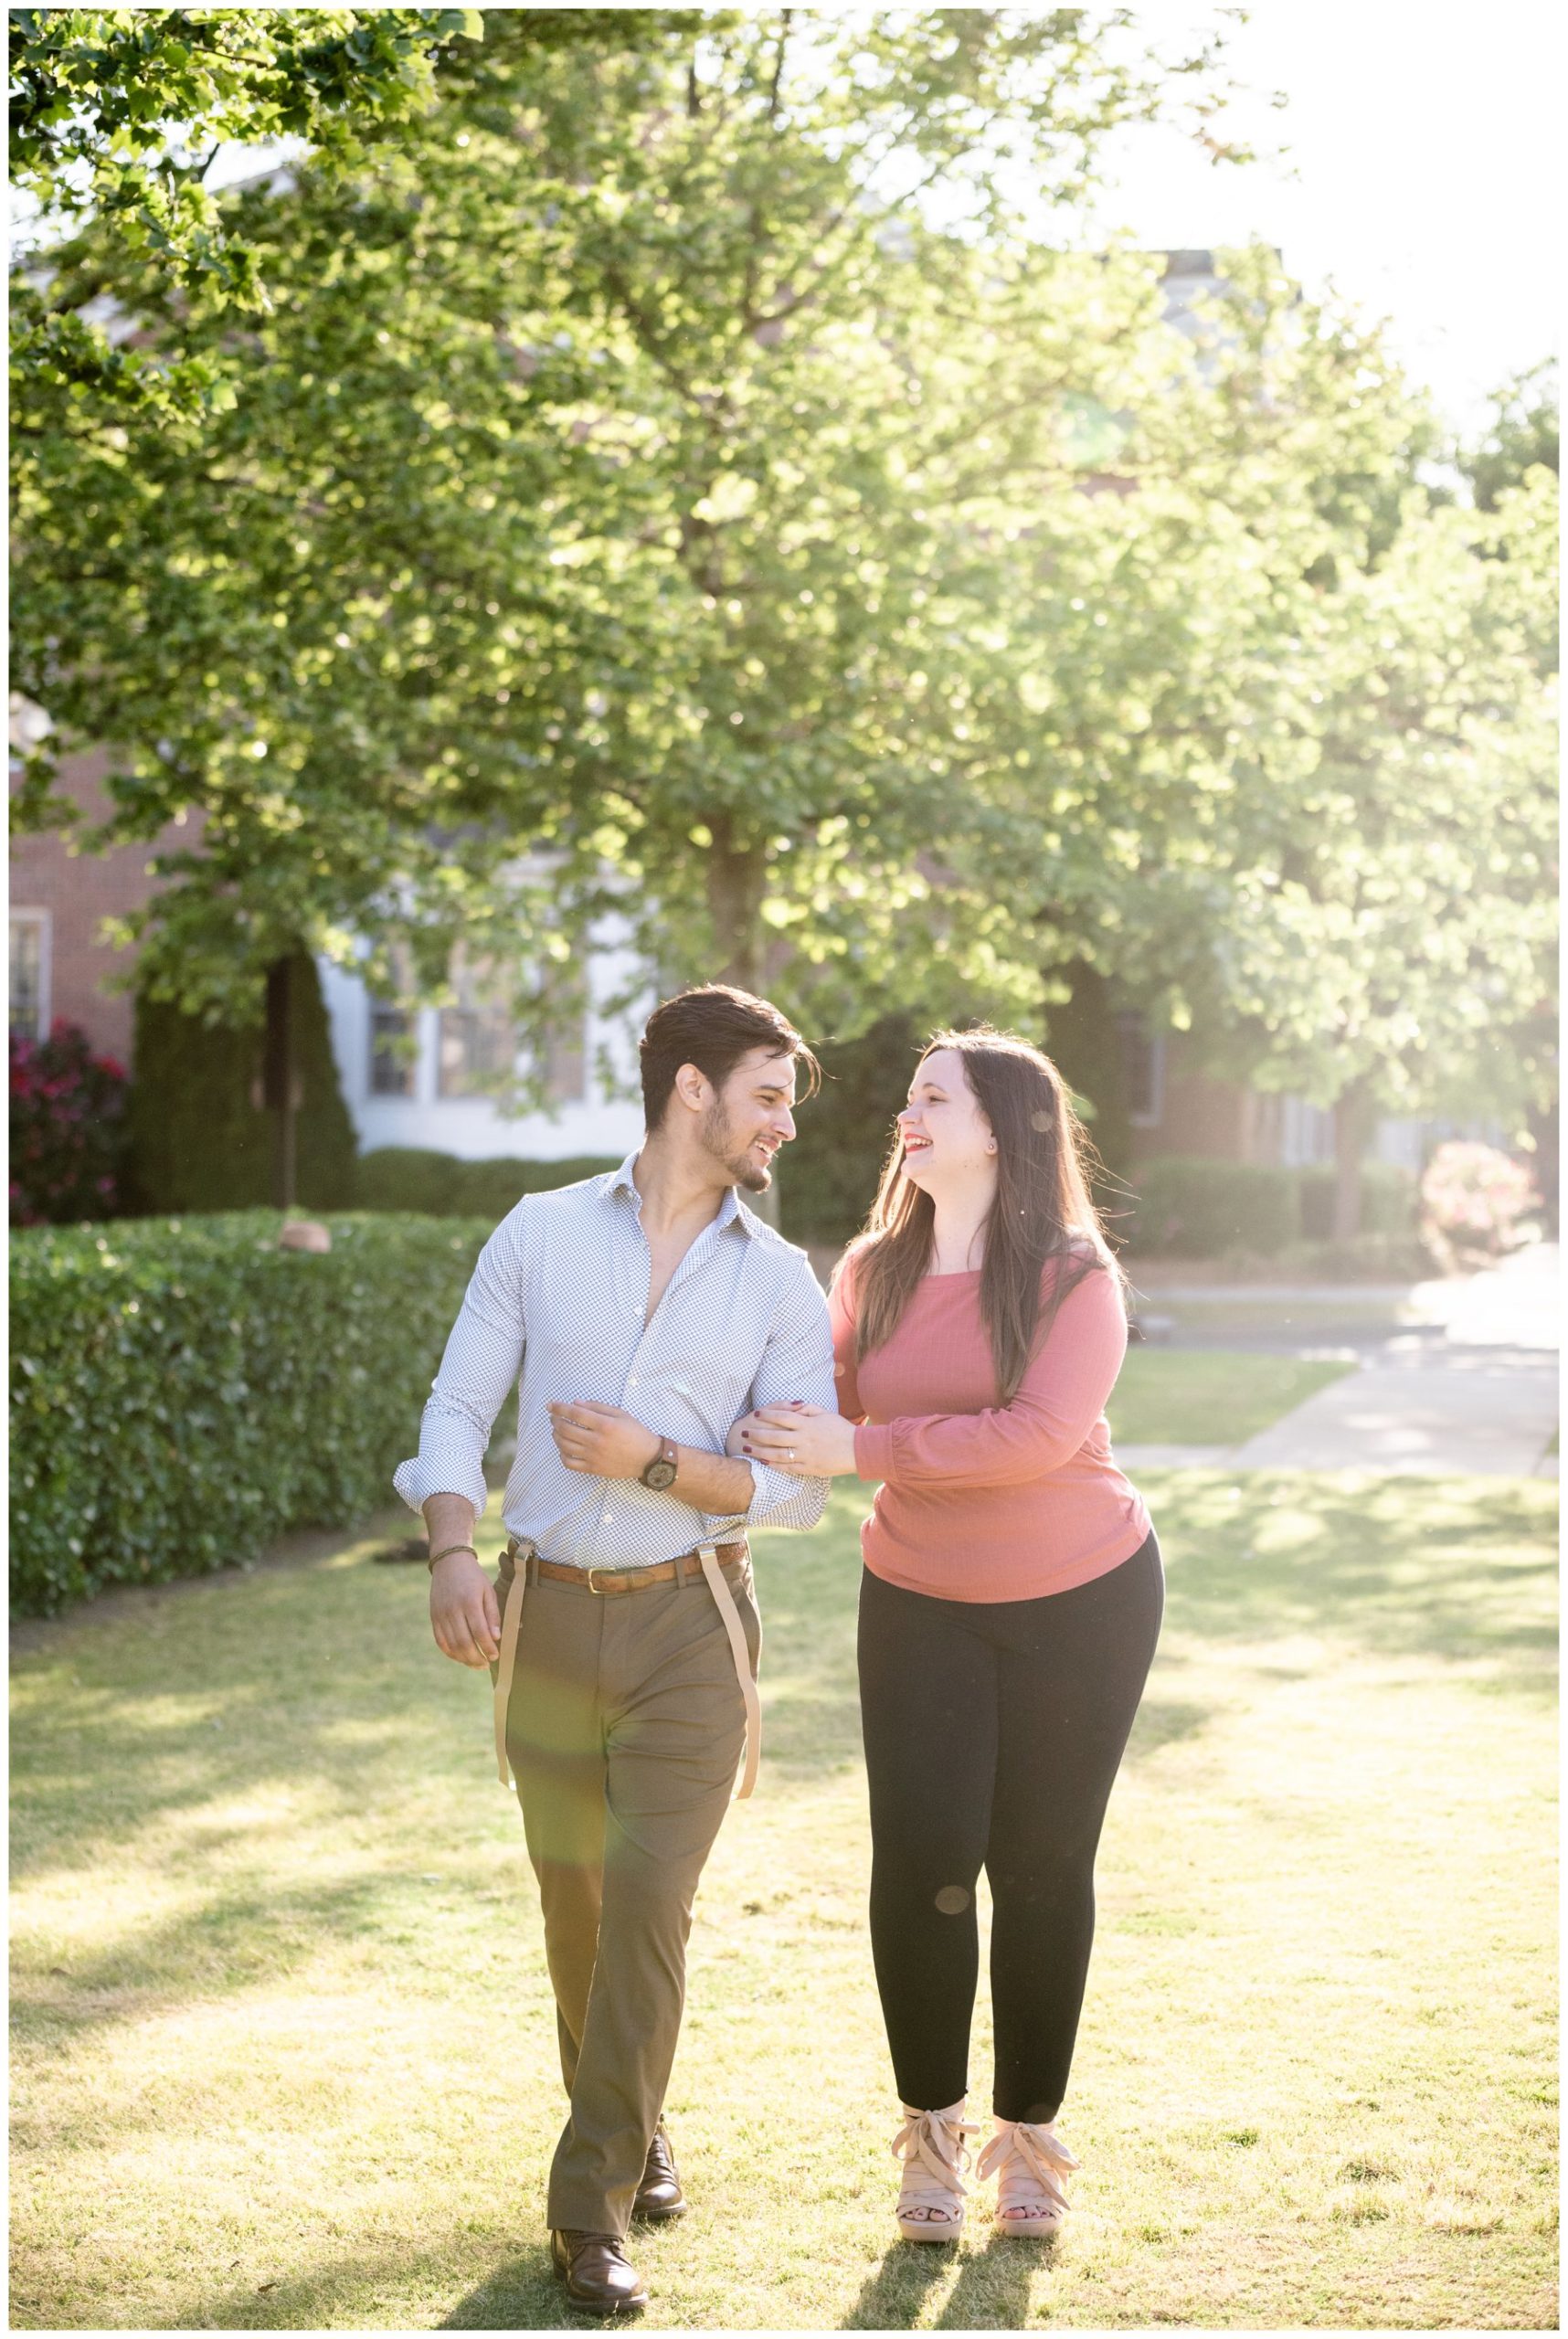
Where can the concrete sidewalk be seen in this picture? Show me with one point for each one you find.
(1480, 1401)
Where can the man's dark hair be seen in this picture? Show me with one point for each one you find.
(713, 1027)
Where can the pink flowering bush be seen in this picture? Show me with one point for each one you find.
(1475, 1199)
(68, 1118)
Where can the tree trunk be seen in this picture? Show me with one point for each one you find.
(736, 875)
(1353, 1118)
(279, 1089)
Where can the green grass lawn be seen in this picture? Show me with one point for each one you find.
(283, 2053)
(1209, 1396)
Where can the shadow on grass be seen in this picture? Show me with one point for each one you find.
(1162, 1721)
(523, 2295)
(891, 2297)
(248, 1938)
(1462, 1570)
(991, 2293)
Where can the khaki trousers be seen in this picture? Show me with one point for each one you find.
(624, 1728)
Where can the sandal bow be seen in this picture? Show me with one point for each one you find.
(1029, 2161)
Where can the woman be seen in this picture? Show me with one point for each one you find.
(1010, 1604)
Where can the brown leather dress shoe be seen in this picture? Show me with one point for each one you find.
(659, 2197)
(595, 2271)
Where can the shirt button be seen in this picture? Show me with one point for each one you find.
(609, 1519)
(632, 1382)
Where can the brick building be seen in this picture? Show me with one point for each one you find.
(61, 969)
(60, 966)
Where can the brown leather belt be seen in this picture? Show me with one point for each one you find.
(712, 1560)
(611, 1579)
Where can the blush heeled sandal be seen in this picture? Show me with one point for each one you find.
(932, 2148)
(1029, 2161)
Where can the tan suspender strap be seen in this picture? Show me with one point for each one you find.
(724, 1599)
(522, 1553)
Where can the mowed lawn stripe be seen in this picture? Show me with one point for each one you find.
(284, 2047)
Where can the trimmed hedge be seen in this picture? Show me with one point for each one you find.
(413, 1178)
(182, 1391)
(1388, 1201)
(1197, 1208)
(1193, 1208)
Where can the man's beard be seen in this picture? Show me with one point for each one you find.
(719, 1139)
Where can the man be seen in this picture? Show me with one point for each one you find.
(649, 1311)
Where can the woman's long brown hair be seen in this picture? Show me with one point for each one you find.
(1041, 1212)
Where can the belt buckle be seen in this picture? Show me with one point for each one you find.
(596, 1588)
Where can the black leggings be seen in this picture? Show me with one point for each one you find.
(993, 1732)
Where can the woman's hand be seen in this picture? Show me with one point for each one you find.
(803, 1441)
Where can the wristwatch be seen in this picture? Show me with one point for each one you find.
(660, 1475)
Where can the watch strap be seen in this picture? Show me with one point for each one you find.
(669, 1454)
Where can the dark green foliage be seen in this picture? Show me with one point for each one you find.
(1198, 1209)
(415, 1178)
(199, 1140)
(827, 1178)
(181, 1392)
(1388, 1201)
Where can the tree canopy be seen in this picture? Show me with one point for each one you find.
(591, 520)
(658, 464)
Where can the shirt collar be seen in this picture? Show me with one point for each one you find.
(730, 1213)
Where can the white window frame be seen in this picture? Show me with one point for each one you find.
(42, 920)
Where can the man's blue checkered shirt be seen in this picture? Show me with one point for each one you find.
(560, 1290)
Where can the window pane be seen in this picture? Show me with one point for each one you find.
(391, 1072)
(476, 1045)
(27, 977)
(477, 1038)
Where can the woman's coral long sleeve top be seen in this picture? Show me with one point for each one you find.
(979, 1500)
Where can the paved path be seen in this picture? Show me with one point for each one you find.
(1468, 1388)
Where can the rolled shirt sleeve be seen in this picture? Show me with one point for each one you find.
(1060, 1397)
(483, 1359)
(796, 1362)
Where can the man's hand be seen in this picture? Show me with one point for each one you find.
(602, 1441)
(465, 1614)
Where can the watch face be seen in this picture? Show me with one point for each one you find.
(658, 1475)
